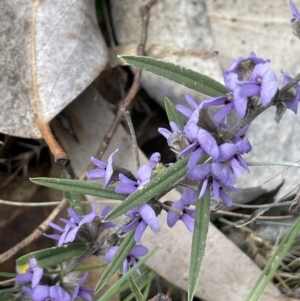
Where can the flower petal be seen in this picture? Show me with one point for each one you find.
(208, 143)
(149, 216)
(188, 221)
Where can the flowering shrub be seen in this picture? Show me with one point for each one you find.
(209, 152)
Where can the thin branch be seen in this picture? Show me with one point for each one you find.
(246, 216)
(46, 204)
(269, 163)
(262, 206)
(125, 103)
(35, 234)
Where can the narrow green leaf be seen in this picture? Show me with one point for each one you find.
(170, 177)
(274, 262)
(202, 215)
(7, 297)
(178, 74)
(120, 284)
(51, 256)
(126, 246)
(72, 197)
(8, 275)
(172, 113)
(80, 187)
(135, 289)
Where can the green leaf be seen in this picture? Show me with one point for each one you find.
(7, 297)
(124, 249)
(178, 74)
(135, 289)
(51, 256)
(72, 197)
(202, 216)
(80, 187)
(172, 113)
(170, 177)
(122, 283)
(274, 262)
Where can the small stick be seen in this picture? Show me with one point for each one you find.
(60, 157)
(35, 234)
(133, 136)
(125, 103)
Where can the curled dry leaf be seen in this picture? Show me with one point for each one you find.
(50, 52)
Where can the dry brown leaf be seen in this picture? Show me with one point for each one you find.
(50, 52)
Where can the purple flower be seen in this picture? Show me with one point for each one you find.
(263, 83)
(292, 96)
(104, 171)
(82, 291)
(73, 225)
(130, 260)
(216, 176)
(129, 186)
(175, 139)
(45, 292)
(143, 216)
(33, 274)
(188, 198)
(233, 153)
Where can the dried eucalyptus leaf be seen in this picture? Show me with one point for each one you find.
(50, 52)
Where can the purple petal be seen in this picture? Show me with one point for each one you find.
(37, 276)
(224, 111)
(223, 174)
(191, 131)
(166, 133)
(225, 198)
(216, 188)
(217, 101)
(74, 215)
(138, 251)
(140, 231)
(188, 150)
(57, 293)
(95, 174)
(189, 197)
(199, 172)
(292, 105)
(57, 227)
(237, 168)
(124, 180)
(188, 221)
(154, 159)
(149, 216)
(125, 266)
(175, 128)
(208, 143)
(244, 146)
(105, 211)
(184, 110)
(132, 225)
(144, 173)
(125, 189)
(173, 217)
(269, 87)
(41, 292)
(226, 151)
(98, 163)
(242, 162)
(203, 188)
(111, 252)
(195, 157)
(191, 101)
